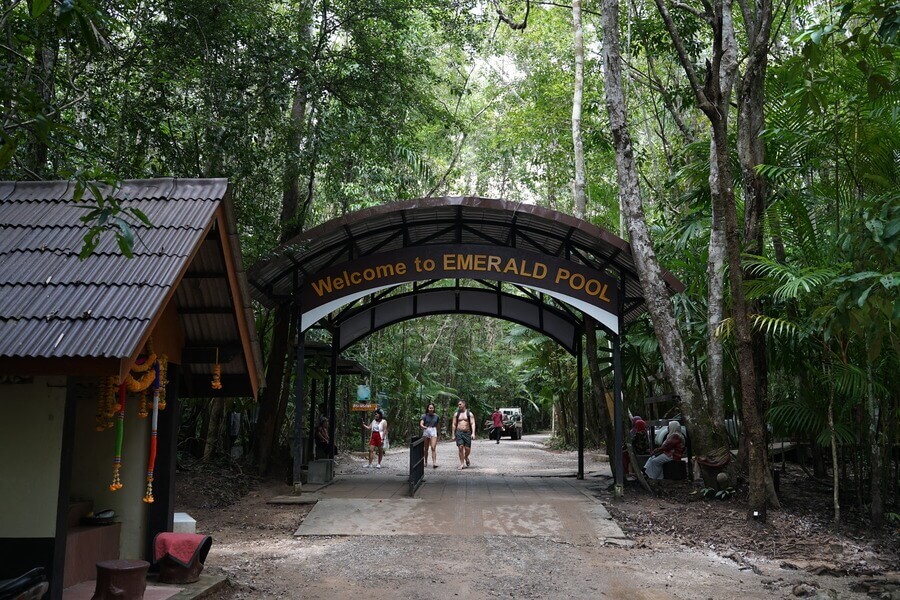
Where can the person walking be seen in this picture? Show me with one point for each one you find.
(429, 423)
(463, 431)
(497, 422)
(378, 427)
(671, 450)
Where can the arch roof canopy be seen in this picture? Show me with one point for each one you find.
(457, 220)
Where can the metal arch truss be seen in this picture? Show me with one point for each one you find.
(538, 312)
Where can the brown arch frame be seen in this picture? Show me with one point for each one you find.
(466, 225)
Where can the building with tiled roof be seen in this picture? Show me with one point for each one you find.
(71, 327)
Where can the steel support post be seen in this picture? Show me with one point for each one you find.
(332, 387)
(618, 410)
(580, 360)
(299, 407)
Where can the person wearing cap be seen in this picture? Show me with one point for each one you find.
(640, 442)
(378, 427)
(671, 449)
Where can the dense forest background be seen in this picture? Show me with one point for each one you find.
(314, 109)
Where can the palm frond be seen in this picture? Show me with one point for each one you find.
(773, 325)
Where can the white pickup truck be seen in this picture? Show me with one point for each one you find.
(512, 423)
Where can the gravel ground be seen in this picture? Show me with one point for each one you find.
(255, 547)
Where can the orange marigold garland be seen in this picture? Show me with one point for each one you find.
(144, 410)
(106, 408)
(217, 374)
(151, 461)
(120, 434)
(163, 380)
(139, 385)
(148, 370)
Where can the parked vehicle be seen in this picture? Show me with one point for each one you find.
(512, 423)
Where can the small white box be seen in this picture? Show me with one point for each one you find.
(184, 523)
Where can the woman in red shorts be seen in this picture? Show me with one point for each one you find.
(376, 440)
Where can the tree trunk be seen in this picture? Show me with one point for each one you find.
(751, 154)
(579, 183)
(268, 401)
(716, 263)
(834, 457)
(596, 408)
(711, 101)
(872, 415)
(761, 487)
(43, 75)
(709, 438)
(214, 430)
(291, 221)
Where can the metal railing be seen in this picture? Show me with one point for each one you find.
(416, 463)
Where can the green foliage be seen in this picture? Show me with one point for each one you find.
(354, 104)
(710, 493)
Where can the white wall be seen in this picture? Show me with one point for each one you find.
(31, 430)
(92, 467)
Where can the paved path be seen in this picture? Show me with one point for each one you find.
(517, 524)
(476, 501)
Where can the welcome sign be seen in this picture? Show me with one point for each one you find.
(540, 271)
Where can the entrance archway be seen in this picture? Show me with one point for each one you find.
(531, 265)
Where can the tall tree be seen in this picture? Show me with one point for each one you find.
(710, 439)
(713, 103)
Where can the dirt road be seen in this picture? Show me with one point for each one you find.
(256, 547)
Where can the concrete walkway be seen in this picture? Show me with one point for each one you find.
(460, 503)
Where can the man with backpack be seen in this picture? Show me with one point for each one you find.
(463, 431)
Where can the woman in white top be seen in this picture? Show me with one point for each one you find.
(429, 423)
(379, 435)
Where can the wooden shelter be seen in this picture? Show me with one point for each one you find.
(72, 331)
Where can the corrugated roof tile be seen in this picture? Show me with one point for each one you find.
(35, 267)
(54, 305)
(173, 241)
(164, 212)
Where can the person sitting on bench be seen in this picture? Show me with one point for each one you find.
(671, 450)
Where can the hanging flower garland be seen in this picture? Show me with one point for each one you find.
(139, 385)
(106, 407)
(163, 380)
(148, 370)
(120, 434)
(151, 461)
(216, 382)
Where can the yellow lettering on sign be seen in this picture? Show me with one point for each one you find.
(578, 282)
(493, 263)
(384, 271)
(329, 284)
(322, 286)
(511, 267)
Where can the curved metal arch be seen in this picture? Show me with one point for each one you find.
(361, 322)
(450, 220)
